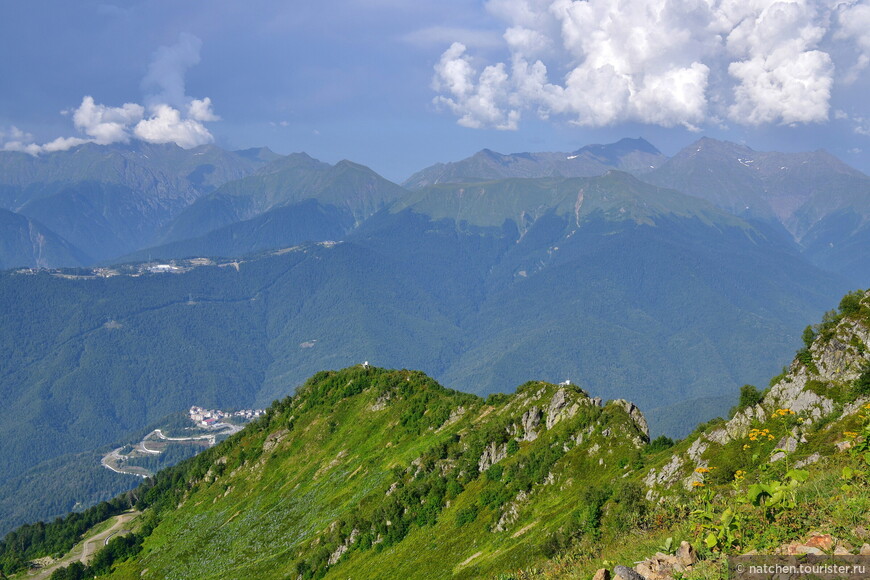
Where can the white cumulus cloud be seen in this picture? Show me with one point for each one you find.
(854, 27)
(104, 124)
(478, 99)
(200, 110)
(168, 116)
(167, 126)
(662, 62)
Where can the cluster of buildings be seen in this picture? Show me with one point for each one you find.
(208, 417)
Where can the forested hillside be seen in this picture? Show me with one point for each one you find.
(642, 292)
(368, 472)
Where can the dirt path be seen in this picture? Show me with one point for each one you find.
(84, 552)
(95, 543)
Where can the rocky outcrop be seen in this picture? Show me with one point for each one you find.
(635, 415)
(530, 421)
(492, 454)
(273, 439)
(342, 548)
(664, 477)
(455, 415)
(557, 403)
(381, 403)
(661, 566)
(511, 512)
(808, 389)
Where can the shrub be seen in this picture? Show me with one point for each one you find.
(808, 336)
(660, 443)
(466, 515)
(862, 383)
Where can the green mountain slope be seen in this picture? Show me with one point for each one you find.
(354, 190)
(587, 264)
(373, 473)
(109, 200)
(280, 227)
(644, 293)
(25, 242)
(821, 202)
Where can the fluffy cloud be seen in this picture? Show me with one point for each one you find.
(854, 28)
(166, 126)
(479, 100)
(169, 116)
(104, 124)
(666, 62)
(200, 110)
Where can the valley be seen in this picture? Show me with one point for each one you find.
(157, 450)
(374, 290)
(614, 264)
(367, 472)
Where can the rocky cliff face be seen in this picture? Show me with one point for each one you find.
(818, 386)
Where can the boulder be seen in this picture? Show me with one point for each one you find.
(822, 541)
(627, 573)
(686, 554)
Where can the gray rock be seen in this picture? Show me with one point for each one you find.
(696, 449)
(492, 454)
(808, 461)
(627, 573)
(668, 474)
(635, 414)
(787, 444)
(557, 403)
(530, 421)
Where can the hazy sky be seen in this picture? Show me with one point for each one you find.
(399, 85)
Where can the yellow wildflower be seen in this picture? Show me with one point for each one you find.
(746, 446)
(739, 474)
(697, 484)
(702, 470)
(849, 434)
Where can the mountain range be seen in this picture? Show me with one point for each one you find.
(368, 472)
(603, 268)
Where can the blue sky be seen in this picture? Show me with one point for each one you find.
(399, 85)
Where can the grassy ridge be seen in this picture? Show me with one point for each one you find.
(388, 464)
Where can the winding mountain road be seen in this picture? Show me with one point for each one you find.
(88, 548)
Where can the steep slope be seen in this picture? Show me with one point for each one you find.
(26, 243)
(379, 473)
(828, 381)
(109, 200)
(372, 473)
(633, 155)
(587, 264)
(355, 191)
(822, 203)
(280, 227)
(643, 292)
(784, 481)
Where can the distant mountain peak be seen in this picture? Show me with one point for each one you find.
(621, 148)
(632, 155)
